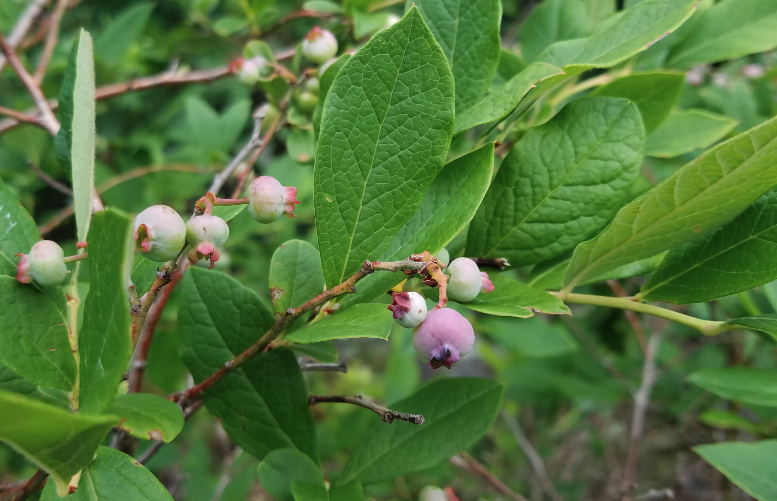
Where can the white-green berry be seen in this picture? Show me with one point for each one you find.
(159, 232)
(45, 264)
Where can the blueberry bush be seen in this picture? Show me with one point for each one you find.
(530, 248)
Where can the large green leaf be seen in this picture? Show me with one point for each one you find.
(385, 131)
(561, 183)
(437, 221)
(655, 94)
(10, 381)
(749, 465)
(514, 299)
(686, 131)
(741, 384)
(33, 335)
(468, 33)
(532, 337)
(105, 341)
(148, 416)
(263, 405)
(457, 412)
(57, 440)
(116, 41)
(114, 476)
(707, 192)
(737, 256)
(325, 83)
(281, 467)
(311, 492)
(75, 140)
(550, 274)
(502, 101)
(17, 229)
(295, 275)
(360, 320)
(729, 30)
(550, 22)
(761, 323)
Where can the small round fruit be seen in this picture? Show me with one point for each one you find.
(159, 232)
(305, 100)
(319, 45)
(207, 234)
(467, 281)
(268, 199)
(252, 70)
(409, 308)
(434, 493)
(443, 256)
(45, 264)
(443, 338)
(270, 113)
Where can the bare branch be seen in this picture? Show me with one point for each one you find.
(33, 484)
(49, 180)
(341, 367)
(500, 263)
(23, 25)
(22, 117)
(253, 142)
(384, 412)
(51, 40)
(467, 462)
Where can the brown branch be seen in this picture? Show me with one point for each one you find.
(33, 484)
(23, 25)
(22, 117)
(51, 40)
(283, 320)
(631, 316)
(385, 413)
(163, 277)
(467, 462)
(46, 117)
(314, 366)
(500, 263)
(641, 401)
(253, 142)
(48, 179)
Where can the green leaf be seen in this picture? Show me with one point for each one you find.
(437, 221)
(325, 83)
(503, 101)
(322, 6)
(10, 381)
(627, 34)
(741, 384)
(113, 45)
(532, 337)
(749, 465)
(301, 145)
(228, 212)
(510, 64)
(75, 139)
(143, 273)
(325, 351)
(737, 256)
(686, 131)
(359, 320)
(761, 323)
(729, 30)
(457, 412)
(468, 33)
(114, 476)
(34, 341)
(561, 183)
(728, 420)
(514, 299)
(351, 491)
(148, 416)
(295, 275)
(705, 193)
(552, 21)
(307, 492)
(282, 467)
(367, 23)
(655, 94)
(57, 440)
(263, 405)
(18, 230)
(384, 135)
(105, 341)
(550, 274)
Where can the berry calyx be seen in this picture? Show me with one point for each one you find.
(45, 264)
(207, 234)
(159, 232)
(467, 281)
(443, 338)
(268, 199)
(319, 45)
(409, 308)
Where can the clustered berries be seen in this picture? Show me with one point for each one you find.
(45, 264)
(442, 336)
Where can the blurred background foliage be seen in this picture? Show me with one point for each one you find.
(569, 381)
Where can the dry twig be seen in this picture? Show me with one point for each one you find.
(385, 413)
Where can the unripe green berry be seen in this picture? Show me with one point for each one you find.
(252, 70)
(305, 100)
(45, 264)
(467, 281)
(270, 113)
(160, 233)
(319, 45)
(443, 256)
(268, 199)
(207, 234)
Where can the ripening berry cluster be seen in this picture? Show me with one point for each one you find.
(442, 336)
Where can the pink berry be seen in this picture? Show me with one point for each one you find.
(207, 234)
(409, 308)
(160, 233)
(319, 45)
(433, 493)
(443, 338)
(467, 281)
(269, 200)
(45, 264)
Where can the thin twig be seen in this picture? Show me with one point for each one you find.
(467, 462)
(253, 142)
(385, 413)
(51, 40)
(163, 277)
(33, 484)
(46, 117)
(531, 454)
(18, 115)
(23, 25)
(500, 263)
(641, 401)
(313, 366)
(48, 179)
